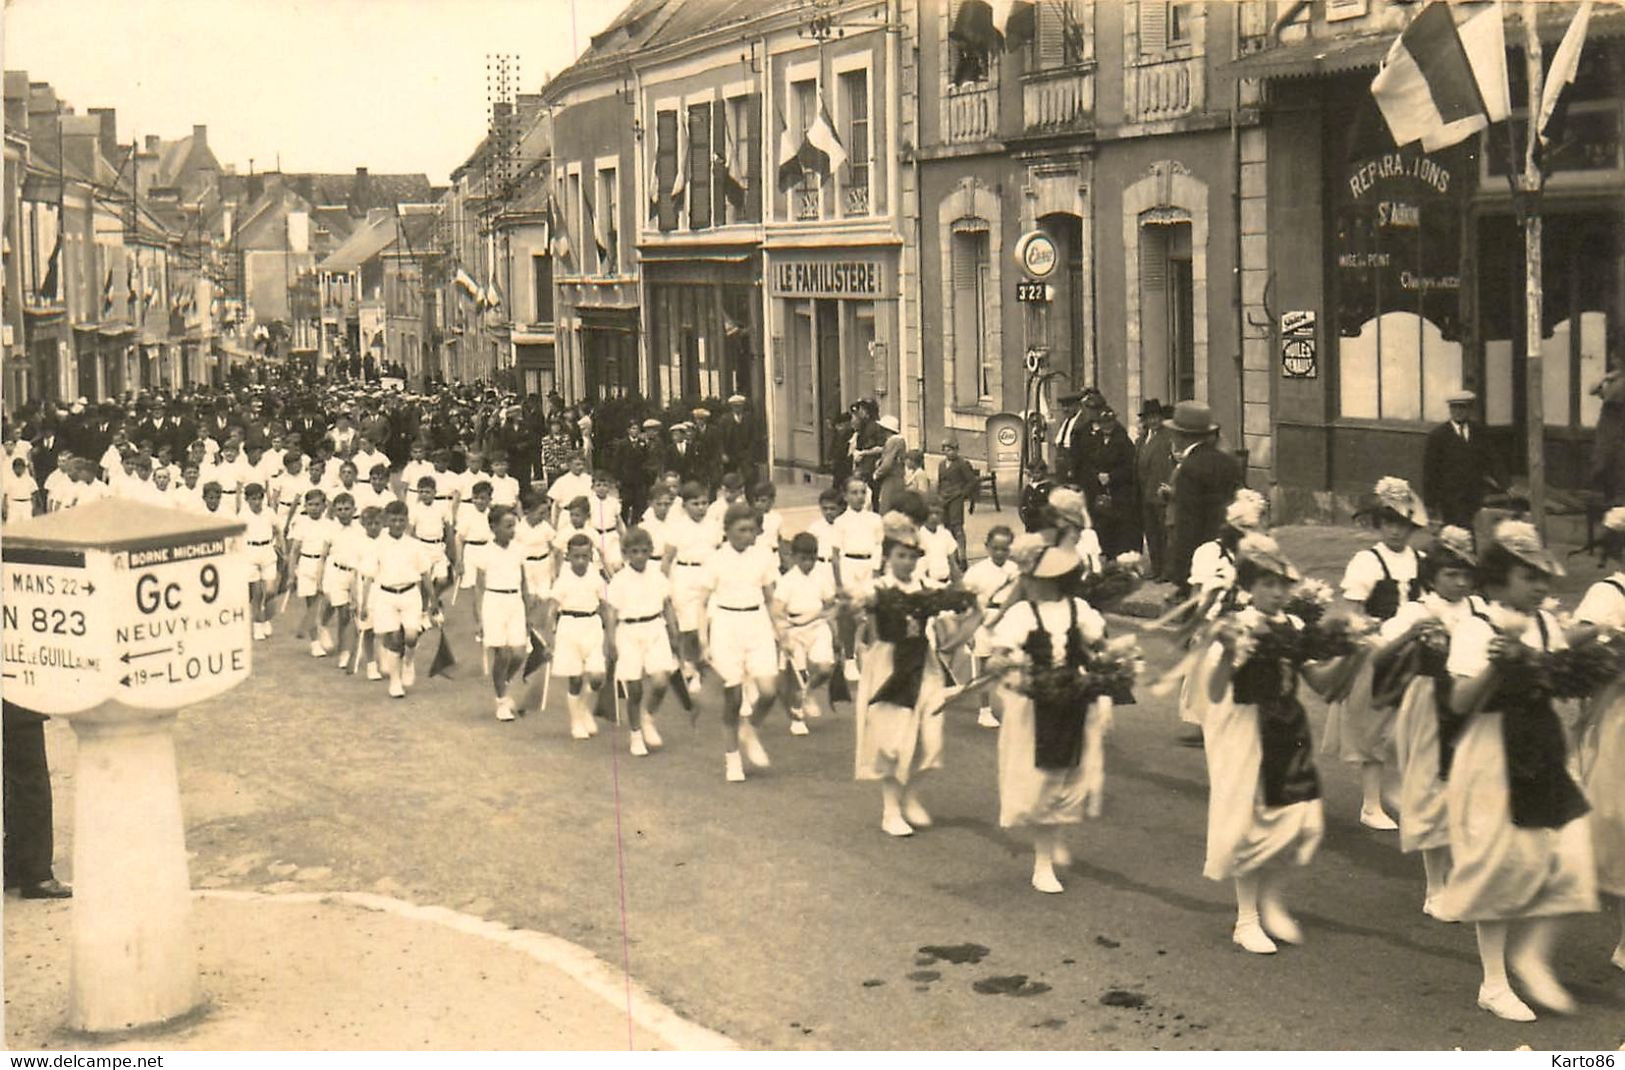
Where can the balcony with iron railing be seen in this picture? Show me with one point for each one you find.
(1058, 100)
(971, 112)
(806, 202)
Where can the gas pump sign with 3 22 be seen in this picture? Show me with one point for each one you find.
(181, 624)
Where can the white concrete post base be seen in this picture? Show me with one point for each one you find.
(134, 963)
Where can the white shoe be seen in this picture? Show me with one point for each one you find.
(1543, 988)
(650, 735)
(344, 661)
(811, 711)
(914, 813)
(317, 650)
(735, 768)
(265, 626)
(1619, 957)
(372, 671)
(1250, 936)
(639, 750)
(1378, 819)
(504, 709)
(752, 746)
(986, 719)
(1044, 880)
(798, 727)
(1502, 1002)
(409, 672)
(851, 670)
(893, 825)
(1061, 855)
(259, 633)
(396, 690)
(1278, 923)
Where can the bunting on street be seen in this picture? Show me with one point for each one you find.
(1440, 85)
(1565, 64)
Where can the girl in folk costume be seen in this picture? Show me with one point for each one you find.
(1213, 581)
(1378, 580)
(1602, 742)
(1520, 842)
(904, 684)
(1072, 528)
(1415, 642)
(1055, 717)
(1264, 803)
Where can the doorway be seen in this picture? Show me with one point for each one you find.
(829, 370)
(1167, 311)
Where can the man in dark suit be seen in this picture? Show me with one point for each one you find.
(1109, 486)
(1072, 425)
(1459, 466)
(705, 444)
(1205, 479)
(1086, 441)
(29, 843)
(738, 439)
(1153, 465)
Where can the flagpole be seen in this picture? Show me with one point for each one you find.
(1534, 403)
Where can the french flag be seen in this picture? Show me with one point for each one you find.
(1440, 85)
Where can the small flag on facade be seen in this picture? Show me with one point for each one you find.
(790, 170)
(1565, 64)
(600, 240)
(1432, 88)
(47, 290)
(560, 243)
(107, 293)
(822, 152)
(733, 189)
(681, 181)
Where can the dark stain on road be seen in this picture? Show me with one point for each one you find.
(1050, 1023)
(1013, 985)
(1122, 997)
(958, 954)
(873, 982)
(1108, 942)
(924, 976)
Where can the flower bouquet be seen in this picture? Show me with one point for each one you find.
(902, 615)
(1118, 578)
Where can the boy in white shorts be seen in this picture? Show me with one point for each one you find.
(263, 567)
(690, 542)
(366, 570)
(770, 523)
(823, 529)
(992, 580)
(499, 606)
(308, 538)
(376, 492)
(401, 598)
(577, 627)
(429, 523)
(339, 581)
(605, 517)
(641, 625)
(504, 487)
(473, 534)
(803, 605)
(573, 523)
(739, 578)
(859, 536)
(535, 536)
(574, 483)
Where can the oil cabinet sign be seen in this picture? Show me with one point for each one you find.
(1298, 359)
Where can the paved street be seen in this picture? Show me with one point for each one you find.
(778, 914)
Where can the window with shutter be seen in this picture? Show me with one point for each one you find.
(970, 271)
(720, 161)
(699, 166)
(665, 169)
(1051, 40)
(1153, 26)
(855, 96)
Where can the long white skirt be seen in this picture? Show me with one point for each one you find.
(898, 742)
(1424, 820)
(1029, 795)
(1602, 766)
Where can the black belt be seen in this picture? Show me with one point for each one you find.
(500, 590)
(307, 553)
(690, 564)
(741, 609)
(420, 538)
(543, 557)
(475, 542)
(399, 590)
(346, 568)
(815, 618)
(444, 497)
(262, 542)
(578, 613)
(858, 557)
(640, 620)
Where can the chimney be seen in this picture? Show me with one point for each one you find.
(200, 135)
(108, 118)
(152, 142)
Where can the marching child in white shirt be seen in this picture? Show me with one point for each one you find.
(939, 550)
(287, 491)
(535, 536)
(417, 466)
(577, 627)
(366, 570)
(20, 490)
(992, 580)
(574, 483)
(740, 577)
(473, 534)
(339, 581)
(606, 520)
(504, 487)
(823, 529)
(641, 625)
(803, 606)
(429, 523)
(263, 567)
(499, 606)
(690, 542)
(376, 492)
(401, 598)
(308, 538)
(771, 538)
(573, 522)
(859, 535)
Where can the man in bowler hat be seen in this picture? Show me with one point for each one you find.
(1205, 478)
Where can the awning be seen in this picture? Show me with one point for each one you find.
(1311, 59)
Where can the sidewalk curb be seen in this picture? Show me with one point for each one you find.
(574, 961)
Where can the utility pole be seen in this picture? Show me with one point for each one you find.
(1534, 405)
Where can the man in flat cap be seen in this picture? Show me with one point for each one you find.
(738, 439)
(1459, 465)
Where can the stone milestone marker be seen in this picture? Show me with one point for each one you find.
(116, 615)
